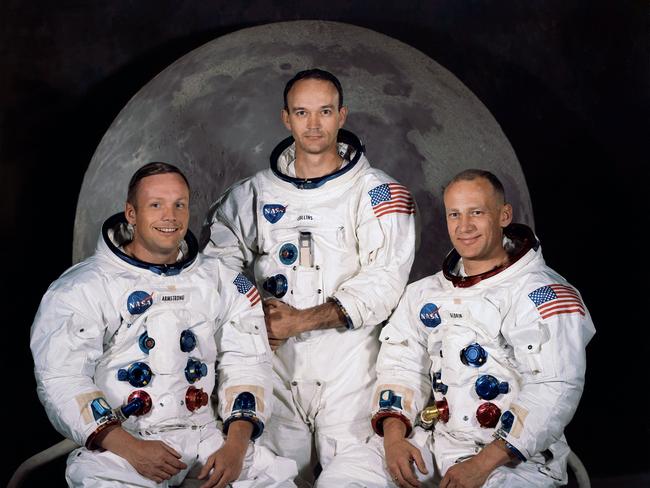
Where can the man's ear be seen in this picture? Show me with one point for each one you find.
(129, 212)
(284, 115)
(506, 215)
(343, 115)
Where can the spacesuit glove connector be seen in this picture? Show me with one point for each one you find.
(244, 409)
(390, 405)
(105, 419)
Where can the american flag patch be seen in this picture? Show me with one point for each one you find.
(245, 287)
(556, 299)
(391, 198)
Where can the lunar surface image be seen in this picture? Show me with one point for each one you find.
(215, 113)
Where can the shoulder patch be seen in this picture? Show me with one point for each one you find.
(430, 315)
(245, 287)
(391, 198)
(556, 299)
(273, 212)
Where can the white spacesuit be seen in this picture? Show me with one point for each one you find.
(503, 353)
(119, 340)
(347, 237)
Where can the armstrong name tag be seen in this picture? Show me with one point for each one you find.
(176, 298)
(139, 301)
(172, 298)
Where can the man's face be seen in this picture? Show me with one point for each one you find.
(314, 117)
(160, 216)
(475, 219)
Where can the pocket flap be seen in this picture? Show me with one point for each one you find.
(392, 335)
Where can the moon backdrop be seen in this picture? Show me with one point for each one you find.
(215, 113)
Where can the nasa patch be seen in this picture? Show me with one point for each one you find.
(273, 212)
(429, 315)
(288, 253)
(138, 302)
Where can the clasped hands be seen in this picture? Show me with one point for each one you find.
(282, 321)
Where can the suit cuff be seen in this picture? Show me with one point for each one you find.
(347, 305)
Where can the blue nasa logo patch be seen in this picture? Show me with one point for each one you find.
(430, 316)
(273, 212)
(138, 302)
(288, 253)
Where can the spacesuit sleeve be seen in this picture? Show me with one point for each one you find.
(232, 226)
(403, 386)
(386, 250)
(549, 339)
(244, 357)
(66, 344)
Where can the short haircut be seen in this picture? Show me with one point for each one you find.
(151, 169)
(472, 174)
(313, 74)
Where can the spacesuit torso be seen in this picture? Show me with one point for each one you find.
(113, 329)
(503, 356)
(347, 237)
(310, 241)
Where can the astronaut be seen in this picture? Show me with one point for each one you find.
(330, 242)
(127, 344)
(499, 339)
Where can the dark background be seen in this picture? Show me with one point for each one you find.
(568, 81)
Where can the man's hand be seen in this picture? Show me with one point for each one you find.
(400, 454)
(473, 472)
(226, 463)
(154, 460)
(282, 322)
(468, 474)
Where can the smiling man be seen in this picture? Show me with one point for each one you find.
(159, 210)
(330, 241)
(127, 343)
(489, 353)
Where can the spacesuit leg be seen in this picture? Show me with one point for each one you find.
(349, 452)
(449, 452)
(547, 470)
(364, 465)
(105, 469)
(522, 476)
(89, 469)
(353, 464)
(287, 434)
(262, 468)
(293, 440)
